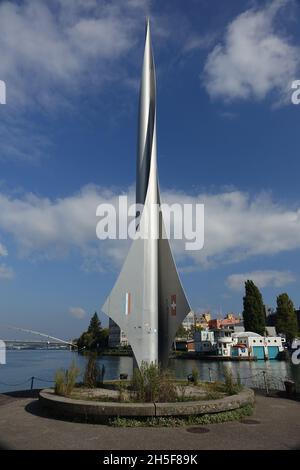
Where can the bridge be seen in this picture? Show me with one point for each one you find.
(34, 344)
(51, 342)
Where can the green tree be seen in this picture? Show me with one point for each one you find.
(181, 332)
(286, 319)
(254, 313)
(95, 338)
(95, 325)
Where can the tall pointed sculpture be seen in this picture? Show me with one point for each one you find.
(148, 301)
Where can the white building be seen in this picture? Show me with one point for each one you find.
(189, 321)
(263, 347)
(224, 346)
(224, 341)
(116, 336)
(204, 341)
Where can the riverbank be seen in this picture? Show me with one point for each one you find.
(275, 424)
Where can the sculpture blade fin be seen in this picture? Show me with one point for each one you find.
(173, 305)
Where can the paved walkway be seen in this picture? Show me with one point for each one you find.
(24, 425)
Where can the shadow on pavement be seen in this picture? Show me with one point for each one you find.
(24, 393)
(35, 408)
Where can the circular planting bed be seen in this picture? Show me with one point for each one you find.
(101, 405)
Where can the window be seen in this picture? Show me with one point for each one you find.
(254, 341)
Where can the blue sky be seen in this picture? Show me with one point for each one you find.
(227, 136)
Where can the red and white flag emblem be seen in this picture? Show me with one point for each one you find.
(173, 305)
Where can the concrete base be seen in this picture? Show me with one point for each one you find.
(101, 411)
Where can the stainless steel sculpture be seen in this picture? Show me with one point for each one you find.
(148, 301)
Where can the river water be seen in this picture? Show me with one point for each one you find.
(21, 365)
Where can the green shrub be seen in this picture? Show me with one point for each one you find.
(181, 396)
(122, 391)
(232, 387)
(167, 391)
(150, 383)
(195, 375)
(71, 375)
(93, 373)
(65, 380)
(59, 379)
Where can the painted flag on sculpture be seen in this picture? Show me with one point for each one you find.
(173, 305)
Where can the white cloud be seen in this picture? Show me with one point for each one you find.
(53, 53)
(196, 42)
(237, 227)
(51, 228)
(51, 49)
(3, 250)
(261, 279)
(255, 57)
(77, 312)
(22, 141)
(6, 272)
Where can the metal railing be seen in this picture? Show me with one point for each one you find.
(261, 380)
(30, 381)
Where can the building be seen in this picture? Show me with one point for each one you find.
(224, 341)
(116, 338)
(205, 341)
(203, 320)
(239, 350)
(228, 321)
(189, 321)
(184, 345)
(270, 331)
(261, 347)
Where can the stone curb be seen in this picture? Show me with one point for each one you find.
(78, 409)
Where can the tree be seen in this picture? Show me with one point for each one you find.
(286, 319)
(254, 313)
(95, 325)
(181, 332)
(95, 338)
